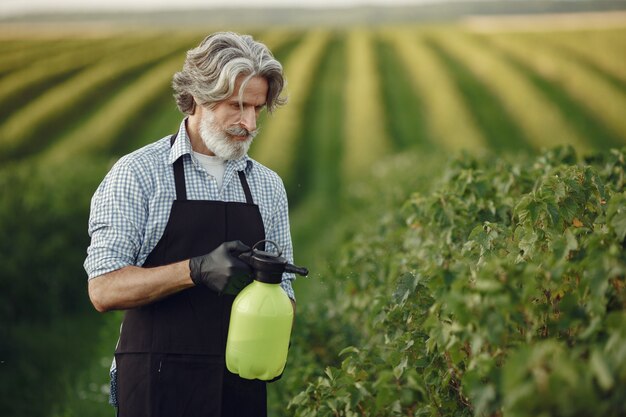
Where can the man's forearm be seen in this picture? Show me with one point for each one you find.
(133, 286)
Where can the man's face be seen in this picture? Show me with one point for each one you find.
(228, 128)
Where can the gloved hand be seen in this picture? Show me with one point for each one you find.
(221, 270)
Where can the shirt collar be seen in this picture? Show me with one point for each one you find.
(182, 146)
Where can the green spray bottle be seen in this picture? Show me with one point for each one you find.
(261, 318)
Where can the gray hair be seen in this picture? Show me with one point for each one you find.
(211, 69)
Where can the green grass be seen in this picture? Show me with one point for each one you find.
(317, 185)
(365, 138)
(19, 88)
(317, 163)
(602, 48)
(498, 126)
(597, 97)
(315, 217)
(33, 52)
(589, 63)
(46, 366)
(83, 108)
(450, 122)
(19, 97)
(282, 51)
(406, 122)
(8, 46)
(88, 387)
(596, 132)
(540, 121)
(75, 100)
(101, 133)
(161, 118)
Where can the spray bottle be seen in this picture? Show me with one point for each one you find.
(261, 318)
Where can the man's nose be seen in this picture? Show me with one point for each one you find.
(248, 118)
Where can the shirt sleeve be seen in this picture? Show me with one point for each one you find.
(280, 233)
(116, 222)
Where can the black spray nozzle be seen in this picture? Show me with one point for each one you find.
(300, 270)
(269, 267)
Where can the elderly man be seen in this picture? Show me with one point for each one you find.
(167, 224)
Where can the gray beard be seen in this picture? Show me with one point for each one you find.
(218, 141)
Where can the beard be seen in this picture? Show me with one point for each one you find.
(220, 141)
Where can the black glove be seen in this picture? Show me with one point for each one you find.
(221, 270)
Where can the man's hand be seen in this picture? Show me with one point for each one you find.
(221, 270)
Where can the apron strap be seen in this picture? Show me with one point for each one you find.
(246, 187)
(179, 175)
(179, 180)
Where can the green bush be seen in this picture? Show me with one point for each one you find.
(43, 216)
(49, 329)
(501, 292)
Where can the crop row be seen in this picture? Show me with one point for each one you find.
(28, 128)
(363, 122)
(600, 99)
(449, 121)
(540, 121)
(509, 91)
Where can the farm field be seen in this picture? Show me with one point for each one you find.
(374, 116)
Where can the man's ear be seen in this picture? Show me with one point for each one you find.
(195, 105)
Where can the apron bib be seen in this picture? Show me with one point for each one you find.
(170, 357)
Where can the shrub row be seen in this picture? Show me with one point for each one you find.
(501, 291)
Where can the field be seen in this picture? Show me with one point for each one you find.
(375, 116)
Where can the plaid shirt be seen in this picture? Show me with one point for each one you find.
(131, 207)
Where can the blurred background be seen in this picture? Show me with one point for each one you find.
(84, 82)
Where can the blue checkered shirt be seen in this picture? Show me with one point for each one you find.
(131, 207)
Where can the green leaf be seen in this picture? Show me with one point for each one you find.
(487, 285)
(399, 369)
(482, 397)
(601, 370)
(349, 349)
(405, 287)
(616, 215)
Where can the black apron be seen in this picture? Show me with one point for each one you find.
(170, 357)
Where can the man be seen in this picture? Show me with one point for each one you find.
(167, 225)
